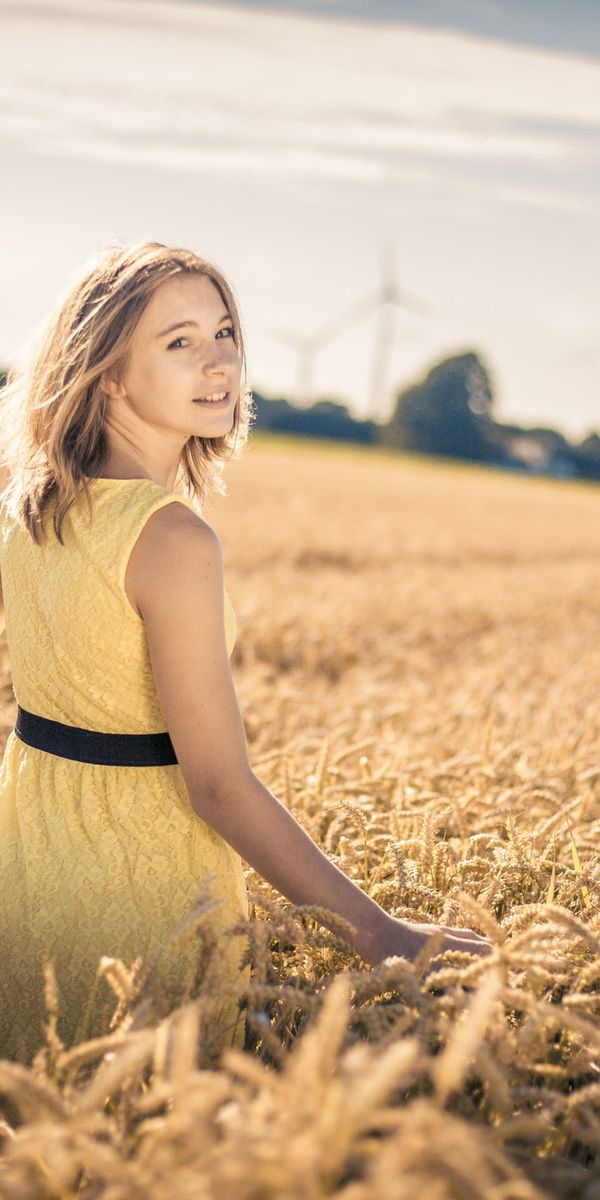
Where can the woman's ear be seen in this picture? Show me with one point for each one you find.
(110, 385)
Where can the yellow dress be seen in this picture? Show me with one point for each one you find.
(96, 860)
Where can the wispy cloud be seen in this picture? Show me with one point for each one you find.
(488, 7)
(544, 198)
(211, 88)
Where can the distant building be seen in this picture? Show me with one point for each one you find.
(542, 452)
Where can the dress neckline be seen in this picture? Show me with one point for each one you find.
(142, 479)
(129, 479)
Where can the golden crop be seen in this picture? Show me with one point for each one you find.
(418, 665)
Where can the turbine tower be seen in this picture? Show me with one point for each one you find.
(307, 348)
(390, 298)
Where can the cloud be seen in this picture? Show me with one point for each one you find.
(546, 199)
(487, 7)
(211, 88)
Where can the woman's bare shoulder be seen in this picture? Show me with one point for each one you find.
(172, 540)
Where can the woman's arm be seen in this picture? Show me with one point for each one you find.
(175, 581)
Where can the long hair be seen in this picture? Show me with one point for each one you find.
(52, 410)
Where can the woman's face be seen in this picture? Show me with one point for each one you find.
(181, 352)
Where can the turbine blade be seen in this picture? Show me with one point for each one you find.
(363, 309)
(404, 299)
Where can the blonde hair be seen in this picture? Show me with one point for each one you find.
(52, 410)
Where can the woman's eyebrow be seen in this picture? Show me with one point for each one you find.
(189, 321)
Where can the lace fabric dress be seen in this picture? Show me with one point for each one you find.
(96, 860)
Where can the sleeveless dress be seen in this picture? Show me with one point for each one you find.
(97, 860)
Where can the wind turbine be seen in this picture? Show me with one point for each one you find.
(385, 302)
(387, 297)
(307, 347)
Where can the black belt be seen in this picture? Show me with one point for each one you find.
(91, 746)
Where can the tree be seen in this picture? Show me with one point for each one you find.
(587, 456)
(448, 412)
(324, 419)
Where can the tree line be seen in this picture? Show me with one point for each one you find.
(449, 412)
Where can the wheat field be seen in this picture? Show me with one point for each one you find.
(417, 665)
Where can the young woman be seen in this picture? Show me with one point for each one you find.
(126, 781)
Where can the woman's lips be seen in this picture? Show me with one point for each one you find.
(214, 403)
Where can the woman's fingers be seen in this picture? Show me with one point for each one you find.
(468, 934)
(473, 945)
(408, 938)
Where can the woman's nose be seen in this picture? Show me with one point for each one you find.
(216, 360)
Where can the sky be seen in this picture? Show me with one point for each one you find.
(316, 150)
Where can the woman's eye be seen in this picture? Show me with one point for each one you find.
(227, 329)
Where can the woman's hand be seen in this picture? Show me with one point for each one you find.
(407, 938)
